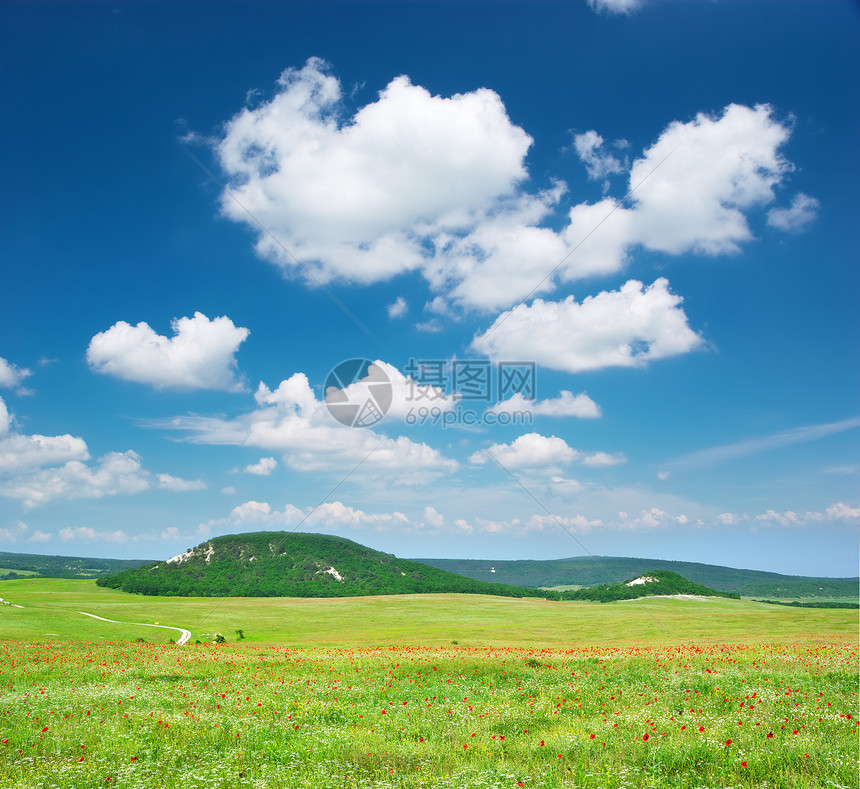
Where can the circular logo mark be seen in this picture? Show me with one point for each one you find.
(358, 393)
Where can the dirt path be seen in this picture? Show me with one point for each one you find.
(183, 639)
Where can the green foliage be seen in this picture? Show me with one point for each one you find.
(666, 583)
(20, 565)
(815, 604)
(594, 570)
(282, 564)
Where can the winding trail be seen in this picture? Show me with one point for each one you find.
(183, 639)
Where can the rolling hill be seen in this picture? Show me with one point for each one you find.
(593, 570)
(282, 564)
(649, 584)
(31, 565)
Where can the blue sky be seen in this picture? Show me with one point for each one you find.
(207, 209)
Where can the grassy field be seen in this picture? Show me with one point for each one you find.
(50, 607)
(371, 692)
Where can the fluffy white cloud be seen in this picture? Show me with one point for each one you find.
(835, 512)
(200, 355)
(433, 517)
(37, 469)
(354, 197)
(290, 419)
(624, 328)
(86, 534)
(168, 482)
(11, 375)
(651, 518)
(398, 308)
(406, 393)
(592, 153)
(115, 473)
(262, 469)
(327, 515)
(615, 6)
(603, 459)
(531, 450)
(801, 214)
(419, 182)
(840, 511)
(566, 404)
(5, 418)
(573, 523)
(19, 452)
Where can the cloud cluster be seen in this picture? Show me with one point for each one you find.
(292, 420)
(416, 182)
(86, 534)
(837, 512)
(115, 473)
(332, 514)
(200, 355)
(37, 469)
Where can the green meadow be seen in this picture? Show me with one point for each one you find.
(422, 691)
(50, 606)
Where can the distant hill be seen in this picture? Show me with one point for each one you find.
(282, 564)
(30, 565)
(650, 583)
(593, 570)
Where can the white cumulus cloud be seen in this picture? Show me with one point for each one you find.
(615, 6)
(200, 355)
(179, 485)
(802, 213)
(115, 473)
(625, 328)
(531, 450)
(593, 154)
(397, 308)
(353, 197)
(840, 511)
(603, 459)
(566, 404)
(11, 375)
(263, 468)
(86, 534)
(292, 420)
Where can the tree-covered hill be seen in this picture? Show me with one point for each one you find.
(650, 583)
(593, 570)
(30, 565)
(282, 564)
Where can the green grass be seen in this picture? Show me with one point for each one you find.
(371, 692)
(80, 716)
(429, 620)
(562, 588)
